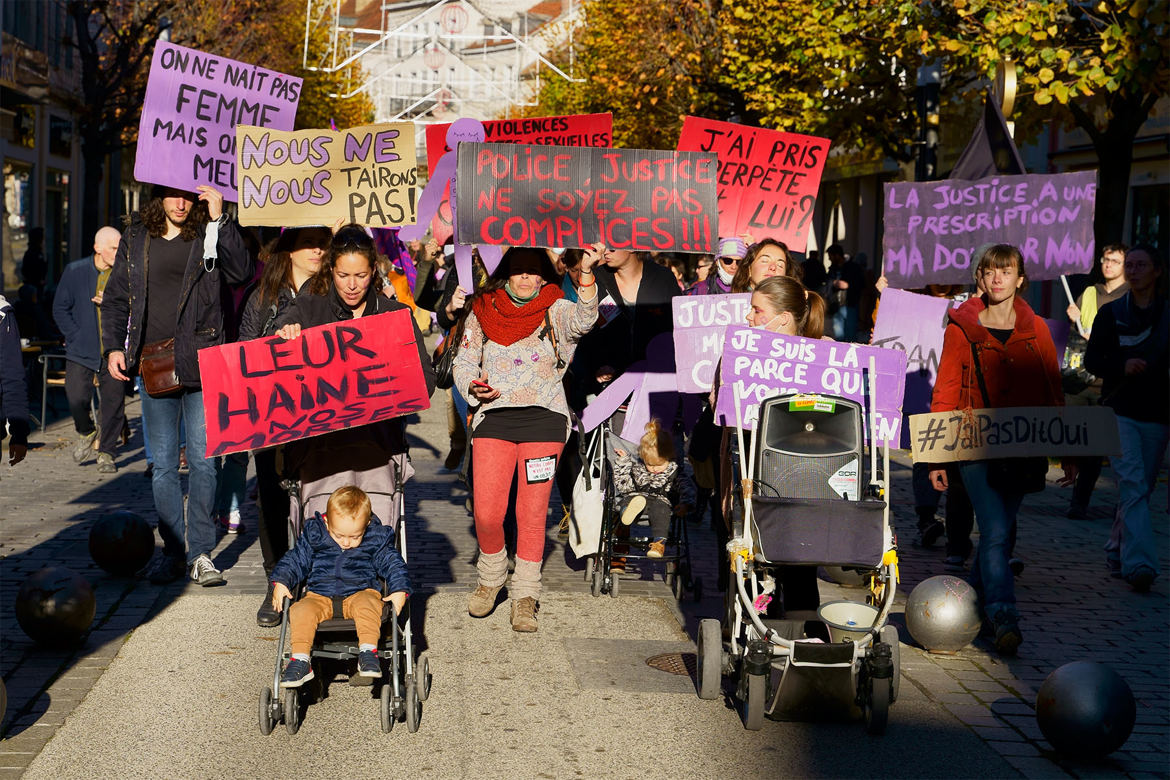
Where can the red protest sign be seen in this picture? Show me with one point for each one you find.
(571, 130)
(271, 391)
(556, 196)
(768, 180)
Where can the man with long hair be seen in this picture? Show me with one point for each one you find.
(164, 299)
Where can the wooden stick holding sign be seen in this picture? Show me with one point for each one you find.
(1016, 432)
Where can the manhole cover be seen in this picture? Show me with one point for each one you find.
(673, 663)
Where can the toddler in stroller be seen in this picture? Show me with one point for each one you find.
(340, 556)
(649, 484)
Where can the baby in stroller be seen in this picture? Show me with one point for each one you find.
(341, 556)
(649, 483)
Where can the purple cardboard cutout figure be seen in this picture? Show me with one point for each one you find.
(465, 129)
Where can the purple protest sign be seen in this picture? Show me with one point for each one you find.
(194, 101)
(762, 364)
(699, 324)
(933, 228)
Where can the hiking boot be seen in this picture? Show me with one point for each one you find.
(1007, 633)
(482, 600)
(266, 616)
(83, 450)
(165, 569)
(105, 463)
(633, 509)
(1141, 579)
(368, 664)
(203, 572)
(296, 674)
(524, 615)
(656, 549)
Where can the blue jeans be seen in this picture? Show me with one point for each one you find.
(1132, 538)
(232, 474)
(996, 514)
(196, 536)
(145, 433)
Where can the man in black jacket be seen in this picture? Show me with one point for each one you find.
(75, 310)
(166, 286)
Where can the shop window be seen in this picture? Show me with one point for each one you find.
(60, 136)
(1149, 224)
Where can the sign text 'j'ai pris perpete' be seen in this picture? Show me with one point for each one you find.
(933, 228)
(365, 175)
(700, 322)
(556, 196)
(979, 434)
(570, 130)
(768, 180)
(194, 101)
(761, 364)
(270, 391)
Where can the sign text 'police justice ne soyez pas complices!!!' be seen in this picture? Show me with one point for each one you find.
(555, 196)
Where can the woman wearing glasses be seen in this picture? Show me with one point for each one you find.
(372, 457)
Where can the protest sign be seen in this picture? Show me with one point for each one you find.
(572, 130)
(762, 364)
(1067, 431)
(558, 196)
(193, 102)
(699, 324)
(271, 391)
(768, 180)
(365, 175)
(933, 228)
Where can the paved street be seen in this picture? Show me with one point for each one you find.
(167, 680)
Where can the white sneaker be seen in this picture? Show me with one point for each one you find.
(203, 572)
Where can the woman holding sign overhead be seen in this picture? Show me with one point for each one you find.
(997, 353)
(372, 457)
(517, 343)
(764, 260)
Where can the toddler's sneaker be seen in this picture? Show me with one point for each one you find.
(656, 549)
(368, 664)
(633, 509)
(296, 674)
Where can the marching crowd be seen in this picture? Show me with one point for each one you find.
(524, 352)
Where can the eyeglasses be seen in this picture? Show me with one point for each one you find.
(729, 260)
(1114, 260)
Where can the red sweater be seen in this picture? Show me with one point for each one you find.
(1023, 372)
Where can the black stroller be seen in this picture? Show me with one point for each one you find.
(601, 451)
(406, 680)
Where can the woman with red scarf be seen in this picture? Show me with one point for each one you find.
(517, 342)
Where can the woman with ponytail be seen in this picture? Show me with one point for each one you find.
(517, 343)
(781, 304)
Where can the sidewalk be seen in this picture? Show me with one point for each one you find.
(168, 677)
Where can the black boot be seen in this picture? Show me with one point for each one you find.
(930, 530)
(266, 616)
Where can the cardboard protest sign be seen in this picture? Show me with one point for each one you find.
(768, 180)
(699, 324)
(1067, 431)
(557, 196)
(571, 130)
(933, 228)
(763, 364)
(194, 101)
(365, 175)
(271, 391)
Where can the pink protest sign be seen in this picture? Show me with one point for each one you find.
(571, 130)
(271, 391)
(768, 180)
(194, 101)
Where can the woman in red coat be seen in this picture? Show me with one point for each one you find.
(1019, 367)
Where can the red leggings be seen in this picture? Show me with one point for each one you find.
(495, 462)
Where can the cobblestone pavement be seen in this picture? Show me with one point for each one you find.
(1071, 609)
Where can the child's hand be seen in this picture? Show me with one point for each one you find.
(280, 592)
(398, 599)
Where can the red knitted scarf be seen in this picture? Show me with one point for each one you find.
(504, 322)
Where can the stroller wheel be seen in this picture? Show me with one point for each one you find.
(413, 706)
(710, 658)
(386, 710)
(877, 706)
(613, 585)
(595, 587)
(753, 705)
(267, 721)
(590, 564)
(889, 635)
(422, 676)
(292, 710)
